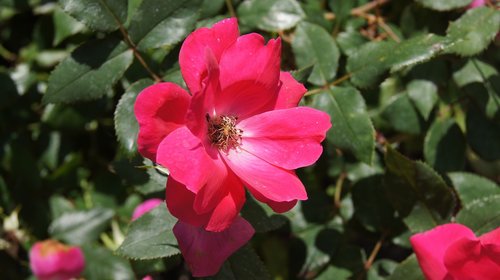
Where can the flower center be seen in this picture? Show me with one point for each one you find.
(223, 133)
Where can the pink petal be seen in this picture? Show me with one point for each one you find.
(430, 247)
(50, 259)
(492, 237)
(159, 110)
(290, 92)
(204, 251)
(468, 259)
(180, 203)
(188, 161)
(259, 176)
(278, 207)
(251, 66)
(145, 207)
(192, 53)
(476, 3)
(289, 138)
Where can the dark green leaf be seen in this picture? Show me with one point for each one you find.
(444, 5)
(418, 193)
(270, 15)
(371, 206)
(64, 26)
(81, 227)
(244, 264)
(473, 32)
(150, 236)
(349, 41)
(312, 44)
(261, 220)
(402, 115)
(424, 95)
(59, 205)
(89, 73)
(481, 215)
(126, 125)
(474, 71)
(408, 270)
(102, 264)
(483, 135)
(302, 74)
(163, 24)
(375, 58)
(333, 272)
(471, 187)
(101, 15)
(444, 146)
(351, 129)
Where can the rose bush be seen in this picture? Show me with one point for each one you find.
(52, 260)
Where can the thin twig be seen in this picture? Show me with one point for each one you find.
(334, 83)
(367, 7)
(230, 7)
(374, 253)
(338, 189)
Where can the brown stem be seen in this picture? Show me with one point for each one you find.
(374, 253)
(367, 7)
(230, 7)
(334, 83)
(338, 189)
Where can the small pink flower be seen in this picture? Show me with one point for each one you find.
(51, 260)
(146, 206)
(205, 251)
(239, 127)
(453, 252)
(476, 3)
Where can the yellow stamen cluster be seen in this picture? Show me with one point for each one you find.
(223, 133)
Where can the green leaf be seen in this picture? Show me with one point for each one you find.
(351, 129)
(444, 5)
(349, 41)
(474, 71)
(150, 236)
(374, 59)
(126, 125)
(333, 272)
(101, 15)
(408, 270)
(473, 32)
(483, 135)
(89, 73)
(417, 192)
(481, 215)
(312, 44)
(402, 115)
(372, 208)
(261, 220)
(303, 73)
(100, 263)
(424, 96)
(64, 26)
(244, 264)
(471, 187)
(162, 24)
(81, 227)
(59, 205)
(444, 146)
(270, 15)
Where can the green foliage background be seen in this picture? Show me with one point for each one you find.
(412, 88)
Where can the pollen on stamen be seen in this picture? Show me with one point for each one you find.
(223, 133)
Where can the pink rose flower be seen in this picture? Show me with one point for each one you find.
(453, 252)
(51, 260)
(146, 206)
(240, 126)
(476, 3)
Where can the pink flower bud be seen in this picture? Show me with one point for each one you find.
(52, 260)
(146, 206)
(476, 3)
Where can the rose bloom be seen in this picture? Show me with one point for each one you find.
(145, 207)
(51, 260)
(240, 126)
(453, 252)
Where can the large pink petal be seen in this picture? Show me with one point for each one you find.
(430, 247)
(181, 203)
(188, 161)
(205, 251)
(468, 259)
(289, 138)
(290, 92)
(277, 206)
(492, 237)
(252, 67)
(192, 54)
(159, 109)
(270, 181)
